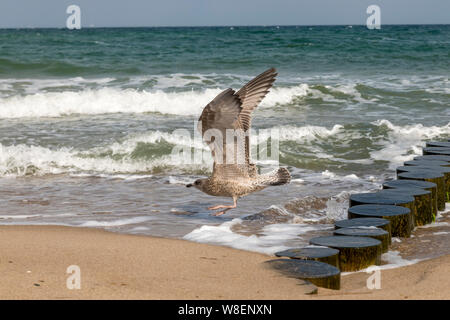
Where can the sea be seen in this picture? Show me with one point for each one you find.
(90, 118)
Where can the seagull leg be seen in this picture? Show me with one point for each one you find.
(224, 207)
(216, 214)
(220, 207)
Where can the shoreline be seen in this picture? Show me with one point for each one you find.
(34, 261)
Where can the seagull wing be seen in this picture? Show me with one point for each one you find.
(233, 110)
(251, 95)
(220, 115)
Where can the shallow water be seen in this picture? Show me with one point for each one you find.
(87, 124)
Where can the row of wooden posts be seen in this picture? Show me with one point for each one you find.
(414, 199)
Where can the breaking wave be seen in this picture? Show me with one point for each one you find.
(114, 100)
(151, 152)
(403, 143)
(144, 153)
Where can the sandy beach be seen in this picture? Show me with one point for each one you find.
(34, 260)
(116, 266)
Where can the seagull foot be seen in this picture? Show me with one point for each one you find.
(223, 207)
(218, 207)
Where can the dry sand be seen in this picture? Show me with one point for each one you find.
(118, 266)
(427, 279)
(34, 260)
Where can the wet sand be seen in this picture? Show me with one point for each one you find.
(34, 260)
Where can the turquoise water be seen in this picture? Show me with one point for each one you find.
(87, 121)
(295, 51)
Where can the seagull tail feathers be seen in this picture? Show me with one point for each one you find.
(282, 176)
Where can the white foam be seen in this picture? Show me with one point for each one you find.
(405, 142)
(22, 160)
(271, 238)
(18, 216)
(103, 101)
(222, 235)
(440, 233)
(328, 174)
(434, 225)
(447, 209)
(180, 180)
(394, 260)
(337, 206)
(141, 228)
(179, 138)
(280, 95)
(115, 100)
(306, 133)
(350, 90)
(115, 223)
(129, 177)
(18, 160)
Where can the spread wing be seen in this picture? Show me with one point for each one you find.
(233, 110)
(218, 116)
(251, 95)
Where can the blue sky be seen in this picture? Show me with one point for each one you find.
(128, 13)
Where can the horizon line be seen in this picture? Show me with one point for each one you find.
(230, 26)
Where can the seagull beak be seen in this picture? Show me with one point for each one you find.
(189, 185)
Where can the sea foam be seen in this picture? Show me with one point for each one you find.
(403, 143)
(115, 100)
(117, 157)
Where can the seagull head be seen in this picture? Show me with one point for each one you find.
(197, 184)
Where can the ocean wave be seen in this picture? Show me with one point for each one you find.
(183, 94)
(23, 160)
(113, 100)
(316, 148)
(105, 101)
(134, 154)
(307, 133)
(403, 143)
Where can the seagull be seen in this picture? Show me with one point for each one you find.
(231, 111)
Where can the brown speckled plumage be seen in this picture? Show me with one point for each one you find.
(235, 176)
